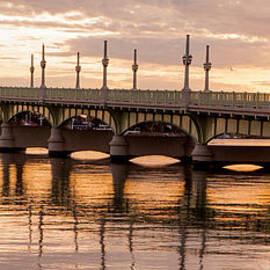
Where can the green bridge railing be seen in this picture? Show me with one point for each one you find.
(136, 97)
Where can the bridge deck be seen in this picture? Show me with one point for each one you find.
(196, 101)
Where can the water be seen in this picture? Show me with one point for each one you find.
(75, 214)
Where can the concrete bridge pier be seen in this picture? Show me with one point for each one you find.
(119, 149)
(201, 156)
(7, 139)
(56, 144)
(188, 147)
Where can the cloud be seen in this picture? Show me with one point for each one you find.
(236, 30)
(7, 58)
(262, 83)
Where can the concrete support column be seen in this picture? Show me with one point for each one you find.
(201, 154)
(6, 138)
(188, 148)
(119, 149)
(56, 144)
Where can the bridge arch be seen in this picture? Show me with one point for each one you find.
(85, 122)
(25, 127)
(167, 135)
(156, 128)
(184, 122)
(29, 118)
(102, 116)
(233, 127)
(38, 110)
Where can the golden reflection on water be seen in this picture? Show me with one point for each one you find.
(157, 192)
(88, 188)
(89, 155)
(154, 161)
(36, 151)
(71, 214)
(243, 167)
(241, 142)
(243, 196)
(40, 181)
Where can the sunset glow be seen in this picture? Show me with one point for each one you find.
(238, 39)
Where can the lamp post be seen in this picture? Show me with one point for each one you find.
(78, 70)
(135, 67)
(105, 63)
(32, 69)
(187, 58)
(207, 67)
(43, 66)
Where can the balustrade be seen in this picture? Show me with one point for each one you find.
(143, 97)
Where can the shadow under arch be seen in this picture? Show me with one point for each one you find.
(29, 118)
(155, 128)
(230, 135)
(85, 122)
(159, 138)
(84, 132)
(103, 116)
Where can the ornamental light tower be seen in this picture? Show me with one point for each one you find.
(78, 70)
(135, 67)
(32, 69)
(105, 63)
(43, 66)
(207, 67)
(187, 58)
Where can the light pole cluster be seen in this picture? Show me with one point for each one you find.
(187, 58)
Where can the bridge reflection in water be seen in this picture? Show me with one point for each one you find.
(77, 214)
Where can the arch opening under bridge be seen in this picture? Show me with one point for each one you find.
(158, 138)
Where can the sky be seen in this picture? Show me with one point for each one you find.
(236, 30)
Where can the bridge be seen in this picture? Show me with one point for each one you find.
(128, 123)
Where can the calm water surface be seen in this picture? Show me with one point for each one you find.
(68, 214)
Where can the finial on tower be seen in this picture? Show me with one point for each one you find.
(207, 67)
(78, 70)
(32, 69)
(187, 58)
(43, 65)
(135, 69)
